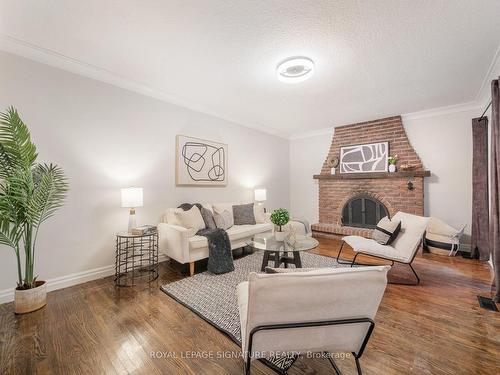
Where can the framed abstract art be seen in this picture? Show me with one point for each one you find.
(364, 158)
(200, 162)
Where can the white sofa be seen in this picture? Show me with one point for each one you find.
(181, 245)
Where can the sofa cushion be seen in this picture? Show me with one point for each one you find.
(190, 219)
(244, 214)
(236, 232)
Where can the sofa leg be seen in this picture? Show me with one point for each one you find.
(191, 268)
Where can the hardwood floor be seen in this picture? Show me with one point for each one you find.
(434, 328)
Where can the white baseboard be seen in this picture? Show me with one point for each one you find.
(7, 295)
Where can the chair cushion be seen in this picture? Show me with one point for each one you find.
(370, 246)
(386, 231)
(412, 231)
(287, 270)
(244, 214)
(287, 297)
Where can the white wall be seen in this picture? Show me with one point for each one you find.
(306, 159)
(106, 138)
(443, 142)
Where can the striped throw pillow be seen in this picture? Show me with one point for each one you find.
(386, 231)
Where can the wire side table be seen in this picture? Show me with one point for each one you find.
(136, 258)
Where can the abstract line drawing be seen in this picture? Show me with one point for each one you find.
(200, 162)
(364, 158)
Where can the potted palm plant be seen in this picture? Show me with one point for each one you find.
(279, 218)
(30, 193)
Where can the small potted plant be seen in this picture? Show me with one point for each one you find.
(279, 218)
(30, 193)
(392, 160)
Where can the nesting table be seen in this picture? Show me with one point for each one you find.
(136, 258)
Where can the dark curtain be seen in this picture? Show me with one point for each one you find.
(495, 186)
(480, 211)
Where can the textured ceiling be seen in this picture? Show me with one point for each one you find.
(373, 58)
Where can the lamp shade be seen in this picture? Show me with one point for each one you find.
(132, 197)
(260, 195)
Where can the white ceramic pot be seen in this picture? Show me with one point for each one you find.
(28, 300)
(392, 168)
(279, 236)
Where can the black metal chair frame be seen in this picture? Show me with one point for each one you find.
(353, 262)
(270, 327)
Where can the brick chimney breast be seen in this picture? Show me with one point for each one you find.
(389, 189)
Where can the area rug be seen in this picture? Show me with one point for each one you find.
(213, 297)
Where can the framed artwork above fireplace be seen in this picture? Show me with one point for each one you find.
(365, 158)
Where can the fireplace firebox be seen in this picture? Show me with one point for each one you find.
(363, 211)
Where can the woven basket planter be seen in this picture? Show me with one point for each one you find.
(28, 300)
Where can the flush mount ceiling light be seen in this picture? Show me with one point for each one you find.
(295, 69)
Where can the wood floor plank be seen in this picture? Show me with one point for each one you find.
(97, 328)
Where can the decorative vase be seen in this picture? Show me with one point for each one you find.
(279, 236)
(392, 168)
(28, 300)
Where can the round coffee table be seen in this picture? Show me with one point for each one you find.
(278, 251)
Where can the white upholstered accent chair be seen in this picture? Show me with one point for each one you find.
(327, 310)
(402, 250)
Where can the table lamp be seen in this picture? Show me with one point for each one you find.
(132, 198)
(260, 196)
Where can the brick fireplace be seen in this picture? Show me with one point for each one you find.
(390, 191)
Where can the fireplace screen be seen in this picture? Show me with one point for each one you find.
(363, 211)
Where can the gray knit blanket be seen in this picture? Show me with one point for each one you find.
(220, 256)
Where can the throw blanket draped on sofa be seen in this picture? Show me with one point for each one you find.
(220, 256)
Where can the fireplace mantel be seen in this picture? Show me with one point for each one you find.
(358, 176)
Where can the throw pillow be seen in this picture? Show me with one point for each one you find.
(386, 231)
(208, 218)
(243, 214)
(221, 207)
(190, 219)
(223, 220)
(170, 216)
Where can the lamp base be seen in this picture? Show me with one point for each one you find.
(132, 223)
